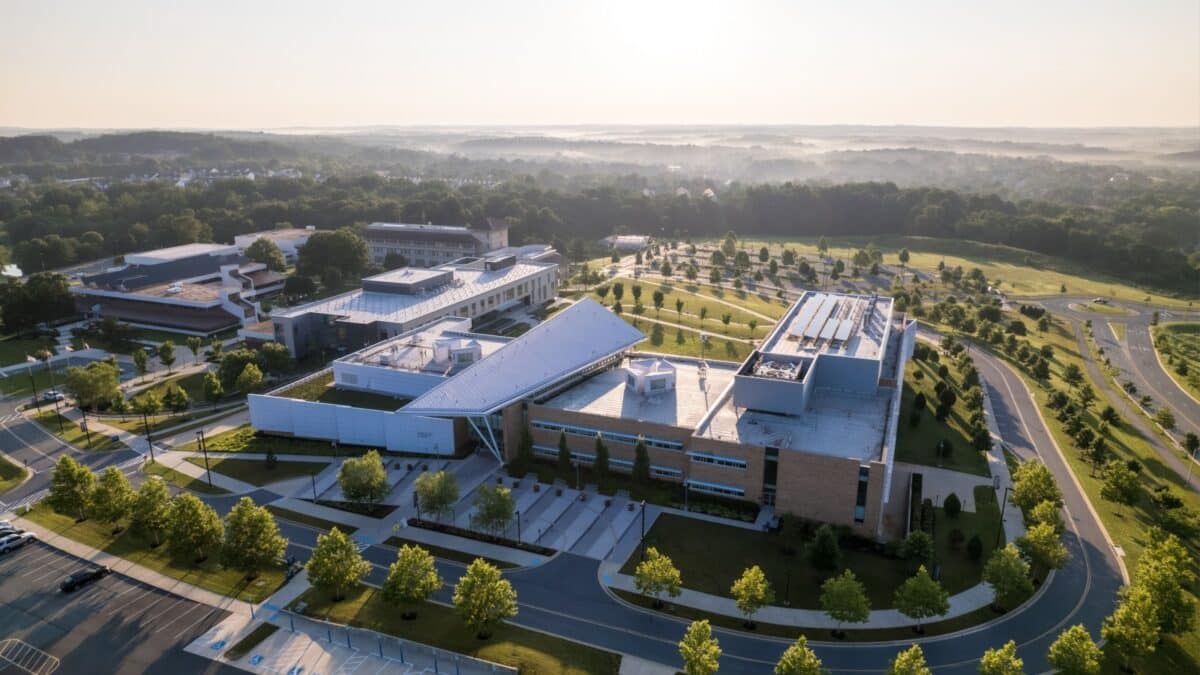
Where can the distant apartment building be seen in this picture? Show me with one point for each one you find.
(194, 288)
(289, 240)
(433, 245)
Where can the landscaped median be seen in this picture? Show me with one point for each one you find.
(182, 480)
(66, 430)
(11, 475)
(259, 471)
(246, 439)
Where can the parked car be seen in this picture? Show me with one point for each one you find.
(83, 578)
(12, 542)
(1100, 301)
(52, 395)
(6, 530)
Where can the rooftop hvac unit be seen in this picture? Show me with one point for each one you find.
(172, 290)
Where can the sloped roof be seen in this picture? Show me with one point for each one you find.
(573, 339)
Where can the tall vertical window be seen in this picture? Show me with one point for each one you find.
(860, 502)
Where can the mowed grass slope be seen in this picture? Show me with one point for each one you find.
(1178, 347)
(917, 444)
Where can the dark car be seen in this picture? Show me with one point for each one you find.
(83, 578)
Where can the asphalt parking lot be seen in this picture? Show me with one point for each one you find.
(114, 625)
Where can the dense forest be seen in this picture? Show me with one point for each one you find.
(1146, 240)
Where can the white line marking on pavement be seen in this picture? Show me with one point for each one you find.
(193, 624)
(189, 610)
(143, 610)
(132, 600)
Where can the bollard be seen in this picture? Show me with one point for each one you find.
(252, 611)
(292, 622)
(348, 639)
(435, 663)
(457, 670)
(401, 645)
(329, 631)
(381, 649)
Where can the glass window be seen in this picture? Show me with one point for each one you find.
(860, 502)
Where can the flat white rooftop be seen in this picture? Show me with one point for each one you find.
(836, 425)
(413, 350)
(835, 323)
(360, 306)
(609, 394)
(163, 255)
(418, 227)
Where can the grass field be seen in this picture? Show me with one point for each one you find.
(311, 521)
(1128, 526)
(255, 471)
(70, 432)
(693, 304)
(192, 383)
(209, 574)
(713, 569)
(1015, 271)
(182, 480)
(320, 388)
(918, 444)
(15, 349)
(682, 342)
(1111, 310)
(446, 553)
(244, 439)
(133, 423)
(11, 475)
(1178, 346)
(19, 383)
(531, 652)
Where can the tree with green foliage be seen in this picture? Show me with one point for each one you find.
(363, 480)
(911, 661)
(657, 575)
(524, 459)
(799, 659)
(193, 528)
(166, 354)
(495, 508)
(252, 539)
(195, 344)
(176, 399)
(482, 597)
(1008, 575)
(904, 257)
(140, 361)
(151, 510)
(1166, 570)
(251, 378)
(1050, 513)
(1132, 631)
(1072, 375)
(920, 598)
(1032, 484)
(600, 463)
(1042, 545)
(1121, 484)
(213, 391)
(71, 487)
(342, 250)
(265, 251)
(952, 505)
(844, 599)
(216, 346)
(1002, 661)
(411, 579)
(752, 592)
(641, 462)
(436, 492)
(917, 549)
(699, 649)
(96, 383)
(336, 564)
(113, 497)
(564, 453)
(824, 552)
(1074, 652)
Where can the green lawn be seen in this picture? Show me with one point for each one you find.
(1111, 310)
(1178, 346)
(133, 423)
(209, 574)
(755, 302)
(70, 432)
(311, 521)
(15, 349)
(192, 383)
(446, 553)
(713, 569)
(11, 475)
(245, 439)
(531, 652)
(255, 637)
(321, 389)
(182, 480)
(19, 383)
(692, 305)
(255, 471)
(917, 444)
(683, 342)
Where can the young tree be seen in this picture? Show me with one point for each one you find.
(656, 575)
(113, 497)
(1002, 661)
(176, 398)
(1074, 653)
(524, 458)
(267, 252)
(920, 598)
(195, 344)
(641, 462)
(1165, 569)
(824, 553)
(250, 379)
(703, 314)
(336, 563)
(216, 345)
(482, 597)
(600, 464)
(193, 528)
(952, 505)
(1032, 484)
(71, 487)
(699, 649)
(1072, 375)
(213, 391)
(151, 511)
(436, 493)
(904, 258)
(252, 539)
(564, 453)
(844, 599)
(678, 308)
(1121, 484)
(1043, 546)
(911, 661)
(140, 361)
(96, 383)
(166, 354)
(411, 579)
(494, 508)
(1132, 632)
(799, 659)
(1050, 513)
(1008, 574)
(659, 298)
(752, 592)
(364, 479)
(917, 548)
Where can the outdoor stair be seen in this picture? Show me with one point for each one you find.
(601, 527)
(608, 537)
(557, 508)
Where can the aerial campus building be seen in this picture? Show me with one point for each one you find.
(807, 423)
(427, 245)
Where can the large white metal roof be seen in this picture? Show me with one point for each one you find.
(575, 338)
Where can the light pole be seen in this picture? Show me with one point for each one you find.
(83, 423)
(149, 440)
(37, 400)
(518, 526)
(313, 478)
(204, 449)
(59, 416)
(642, 543)
(1000, 526)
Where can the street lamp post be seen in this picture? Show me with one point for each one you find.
(1000, 526)
(642, 543)
(204, 449)
(84, 424)
(59, 416)
(149, 440)
(518, 526)
(37, 400)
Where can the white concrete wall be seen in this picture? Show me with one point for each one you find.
(402, 383)
(396, 431)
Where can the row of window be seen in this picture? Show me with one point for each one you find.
(631, 439)
(615, 462)
(715, 488)
(718, 460)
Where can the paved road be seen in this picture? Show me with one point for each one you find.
(115, 625)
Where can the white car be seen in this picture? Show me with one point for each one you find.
(14, 541)
(52, 395)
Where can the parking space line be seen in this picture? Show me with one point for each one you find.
(118, 608)
(45, 555)
(13, 557)
(194, 623)
(147, 618)
(50, 572)
(133, 586)
(191, 608)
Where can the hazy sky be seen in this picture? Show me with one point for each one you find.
(253, 64)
